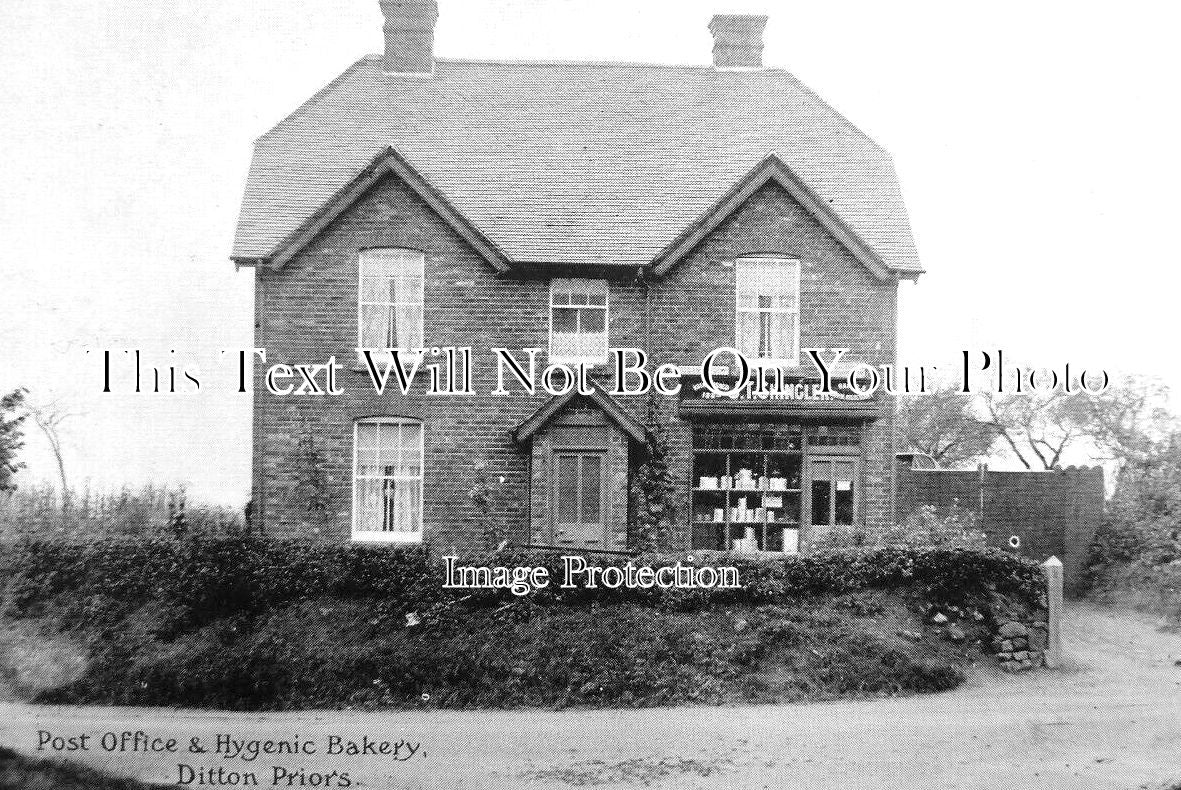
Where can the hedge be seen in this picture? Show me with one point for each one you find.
(211, 577)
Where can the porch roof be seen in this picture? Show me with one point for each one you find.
(608, 405)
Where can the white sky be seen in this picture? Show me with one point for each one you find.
(1036, 144)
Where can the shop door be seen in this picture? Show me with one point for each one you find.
(578, 500)
(832, 492)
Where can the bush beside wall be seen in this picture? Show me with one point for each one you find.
(219, 576)
(256, 623)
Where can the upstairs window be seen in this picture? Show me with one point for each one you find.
(389, 299)
(768, 312)
(578, 321)
(387, 480)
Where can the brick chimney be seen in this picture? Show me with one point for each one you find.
(409, 35)
(738, 40)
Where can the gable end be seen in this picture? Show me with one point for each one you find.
(772, 168)
(387, 161)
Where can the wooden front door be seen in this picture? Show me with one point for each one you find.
(833, 492)
(578, 491)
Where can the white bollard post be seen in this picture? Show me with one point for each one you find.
(1053, 570)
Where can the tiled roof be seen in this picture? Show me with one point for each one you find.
(574, 163)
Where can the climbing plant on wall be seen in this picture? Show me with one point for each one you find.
(654, 488)
(310, 490)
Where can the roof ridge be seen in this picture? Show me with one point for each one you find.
(800, 84)
(584, 62)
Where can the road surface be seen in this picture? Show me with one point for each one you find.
(1110, 719)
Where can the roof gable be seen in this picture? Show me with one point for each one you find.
(772, 168)
(595, 164)
(554, 406)
(385, 163)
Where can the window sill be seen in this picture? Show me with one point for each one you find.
(766, 362)
(590, 362)
(403, 538)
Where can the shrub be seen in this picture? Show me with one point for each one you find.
(952, 526)
(1142, 526)
(215, 576)
(254, 622)
(39, 511)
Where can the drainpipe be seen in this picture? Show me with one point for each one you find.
(646, 289)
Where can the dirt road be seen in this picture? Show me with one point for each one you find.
(1111, 719)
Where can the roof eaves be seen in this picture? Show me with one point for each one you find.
(771, 168)
(387, 161)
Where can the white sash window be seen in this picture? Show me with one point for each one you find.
(389, 299)
(578, 321)
(387, 480)
(768, 310)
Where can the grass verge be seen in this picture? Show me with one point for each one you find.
(333, 653)
(18, 772)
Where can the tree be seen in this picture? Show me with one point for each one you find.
(1035, 427)
(11, 436)
(1129, 421)
(942, 424)
(49, 419)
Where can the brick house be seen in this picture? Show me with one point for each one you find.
(571, 207)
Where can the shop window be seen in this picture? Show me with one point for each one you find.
(767, 319)
(578, 321)
(387, 480)
(747, 486)
(761, 486)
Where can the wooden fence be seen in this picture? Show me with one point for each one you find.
(1040, 514)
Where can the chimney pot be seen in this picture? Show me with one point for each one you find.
(409, 35)
(738, 40)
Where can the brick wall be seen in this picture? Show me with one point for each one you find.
(842, 305)
(1052, 513)
(306, 312)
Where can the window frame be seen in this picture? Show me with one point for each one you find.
(379, 353)
(797, 264)
(416, 536)
(555, 287)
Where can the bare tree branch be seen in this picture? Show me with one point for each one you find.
(49, 418)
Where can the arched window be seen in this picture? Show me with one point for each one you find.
(387, 480)
(389, 298)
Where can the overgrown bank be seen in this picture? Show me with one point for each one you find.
(18, 771)
(243, 622)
